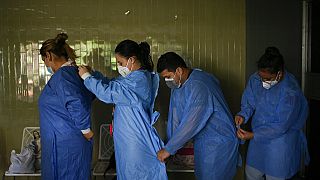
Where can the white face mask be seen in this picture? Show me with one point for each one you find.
(172, 84)
(270, 84)
(124, 71)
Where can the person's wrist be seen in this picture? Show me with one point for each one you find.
(85, 75)
(85, 131)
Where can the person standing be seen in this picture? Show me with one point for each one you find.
(136, 141)
(278, 108)
(199, 111)
(65, 107)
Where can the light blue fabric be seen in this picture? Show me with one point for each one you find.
(255, 174)
(136, 140)
(65, 107)
(198, 110)
(278, 116)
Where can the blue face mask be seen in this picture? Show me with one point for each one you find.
(49, 69)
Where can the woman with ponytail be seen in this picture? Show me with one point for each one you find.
(136, 141)
(65, 107)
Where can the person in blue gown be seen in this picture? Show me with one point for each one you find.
(199, 111)
(65, 107)
(136, 141)
(278, 108)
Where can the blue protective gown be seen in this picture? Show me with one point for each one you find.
(65, 107)
(198, 110)
(278, 116)
(136, 141)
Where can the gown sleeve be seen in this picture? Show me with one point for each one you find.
(198, 111)
(117, 91)
(247, 102)
(76, 99)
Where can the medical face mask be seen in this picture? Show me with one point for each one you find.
(171, 83)
(269, 84)
(124, 71)
(49, 69)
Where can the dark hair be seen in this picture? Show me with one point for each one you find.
(271, 60)
(170, 61)
(59, 47)
(129, 48)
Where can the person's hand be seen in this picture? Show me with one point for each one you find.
(89, 135)
(89, 68)
(244, 135)
(84, 69)
(163, 155)
(238, 120)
